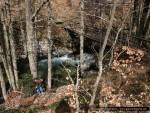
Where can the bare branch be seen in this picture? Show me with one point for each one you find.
(38, 9)
(76, 90)
(101, 53)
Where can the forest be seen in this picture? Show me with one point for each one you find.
(74, 56)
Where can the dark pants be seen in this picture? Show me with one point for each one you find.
(40, 90)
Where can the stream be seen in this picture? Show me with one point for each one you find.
(70, 62)
(89, 62)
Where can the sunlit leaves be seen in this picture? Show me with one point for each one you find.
(131, 55)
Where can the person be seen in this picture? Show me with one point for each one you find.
(38, 80)
(39, 85)
(38, 91)
(41, 88)
(1, 98)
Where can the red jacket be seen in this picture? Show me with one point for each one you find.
(38, 80)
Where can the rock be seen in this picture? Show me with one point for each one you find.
(36, 101)
(42, 46)
(61, 51)
(89, 61)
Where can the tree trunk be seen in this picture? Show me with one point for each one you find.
(144, 19)
(116, 38)
(101, 54)
(23, 37)
(12, 43)
(146, 30)
(3, 86)
(76, 91)
(3, 58)
(31, 45)
(7, 52)
(81, 35)
(49, 45)
(13, 54)
(135, 24)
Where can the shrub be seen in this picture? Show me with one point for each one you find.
(27, 83)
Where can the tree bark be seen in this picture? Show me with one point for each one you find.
(101, 54)
(3, 86)
(81, 35)
(76, 91)
(135, 24)
(23, 36)
(3, 58)
(144, 19)
(116, 38)
(13, 54)
(31, 40)
(12, 43)
(49, 45)
(7, 52)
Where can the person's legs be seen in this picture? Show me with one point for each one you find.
(38, 91)
(41, 88)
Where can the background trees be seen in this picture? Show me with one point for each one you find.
(141, 18)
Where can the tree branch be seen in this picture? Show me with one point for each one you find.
(101, 54)
(38, 9)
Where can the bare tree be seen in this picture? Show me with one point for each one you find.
(117, 36)
(81, 35)
(3, 86)
(101, 54)
(49, 35)
(75, 85)
(76, 91)
(31, 39)
(7, 52)
(144, 19)
(4, 60)
(13, 55)
(135, 24)
(23, 36)
(31, 45)
(12, 44)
